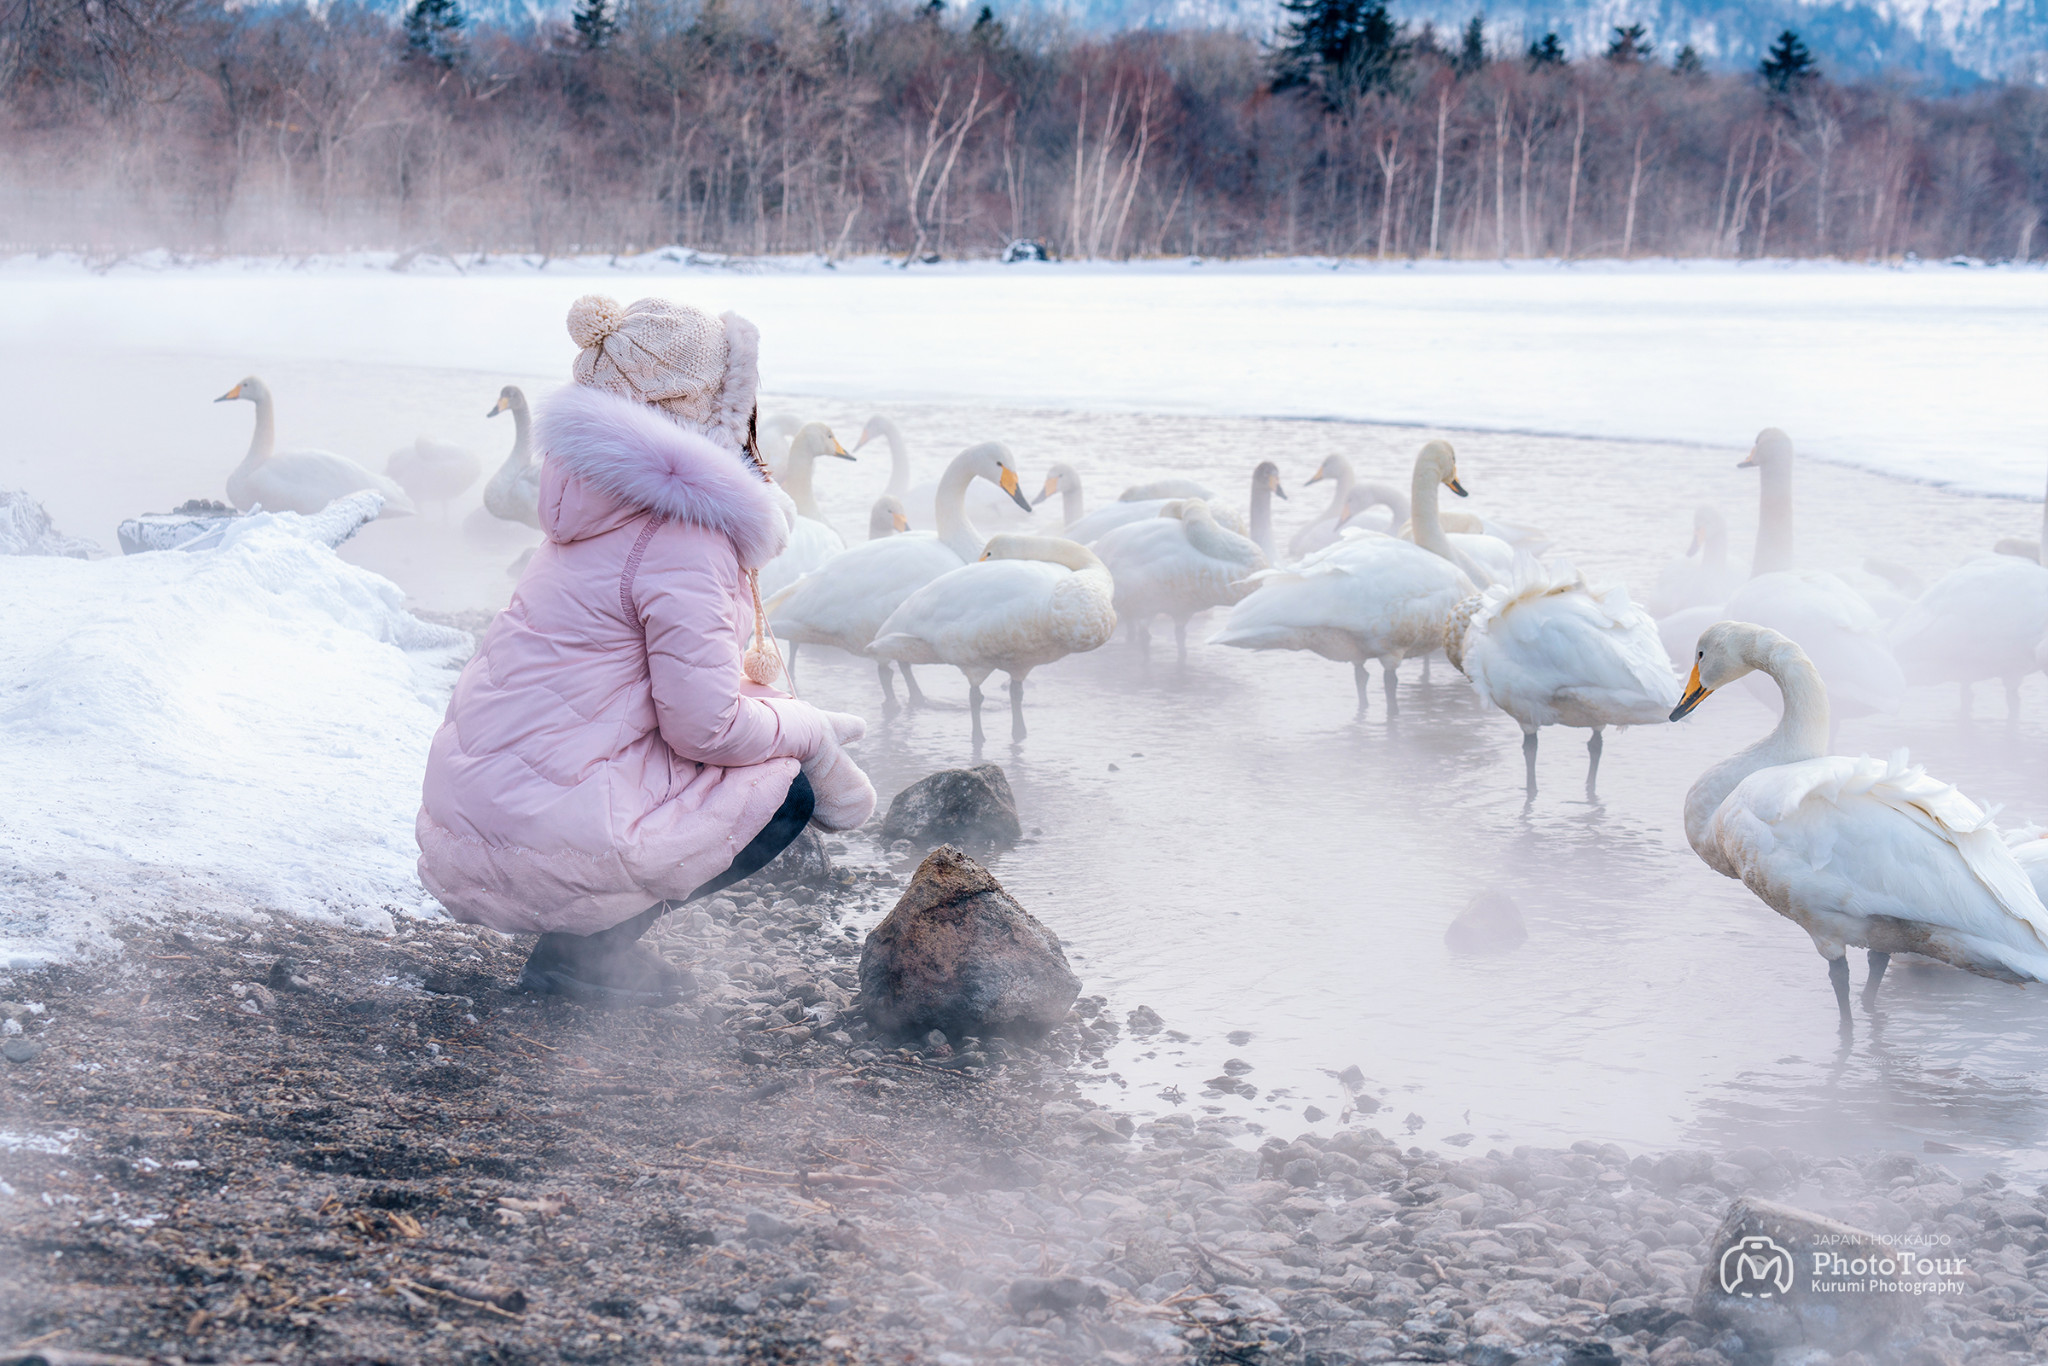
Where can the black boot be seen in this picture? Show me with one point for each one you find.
(609, 968)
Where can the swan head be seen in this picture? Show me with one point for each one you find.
(886, 518)
(815, 439)
(1061, 476)
(1773, 450)
(1729, 649)
(1267, 476)
(251, 388)
(1438, 461)
(1012, 545)
(876, 428)
(1333, 467)
(1707, 523)
(991, 460)
(509, 398)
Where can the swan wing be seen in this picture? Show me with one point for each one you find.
(982, 615)
(1365, 597)
(1837, 843)
(845, 600)
(1550, 650)
(1980, 620)
(1091, 527)
(306, 481)
(1839, 631)
(811, 544)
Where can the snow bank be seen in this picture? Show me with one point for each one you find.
(233, 730)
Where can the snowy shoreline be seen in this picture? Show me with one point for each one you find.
(1913, 370)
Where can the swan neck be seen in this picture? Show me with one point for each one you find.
(522, 432)
(1714, 554)
(1773, 519)
(1072, 504)
(899, 462)
(1346, 481)
(263, 442)
(1801, 733)
(796, 482)
(1262, 516)
(1429, 531)
(949, 512)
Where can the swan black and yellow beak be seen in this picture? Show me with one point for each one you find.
(500, 406)
(865, 437)
(1455, 487)
(1007, 481)
(1748, 462)
(1695, 693)
(235, 392)
(1052, 486)
(1315, 478)
(899, 521)
(841, 451)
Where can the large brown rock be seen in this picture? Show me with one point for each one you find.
(1785, 1277)
(970, 807)
(959, 954)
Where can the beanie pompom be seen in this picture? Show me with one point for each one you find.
(592, 318)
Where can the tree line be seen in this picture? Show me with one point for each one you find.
(854, 126)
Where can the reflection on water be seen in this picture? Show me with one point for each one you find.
(1231, 845)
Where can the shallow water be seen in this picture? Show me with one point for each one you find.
(1232, 845)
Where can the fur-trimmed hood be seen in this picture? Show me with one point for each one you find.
(608, 459)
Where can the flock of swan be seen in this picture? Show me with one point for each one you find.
(1858, 852)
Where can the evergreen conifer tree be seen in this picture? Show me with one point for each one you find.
(1472, 47)
(596, 23)
(1788, 65)
(433, 29)
(1630, 45)
(1688, 62)
(1341, 49)
(1547, 51)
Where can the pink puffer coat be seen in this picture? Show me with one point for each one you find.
(602, 751)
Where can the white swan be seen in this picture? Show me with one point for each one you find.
(1177, 564)
(987, 506)
(1484, 559)
(1549, 650)
(1323, 530)
(1375, 507)
(899, 454)
(886, 518)
(1983, 619)
(1028, 601)
(1064, 480)
(1854, 851)
(434, 471)
(1173, 486)
(773, 435)
(812, 541)
(512, 495)
(1368, 597)
(1833, 623)
(1087, 529)
(1703, 578)
(1265, 488)
(845, 600)
(297, 481)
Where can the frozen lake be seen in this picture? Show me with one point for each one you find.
(1229, 844)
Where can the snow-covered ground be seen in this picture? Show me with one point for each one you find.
(229, 731)
(1916, 370)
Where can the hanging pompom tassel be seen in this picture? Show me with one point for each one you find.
(763, 661)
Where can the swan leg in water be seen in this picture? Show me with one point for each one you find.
(1016, 707)
(910, 686)
(1593, 748)
(1358, 681)
(1529, 757)
(1391, 681)
(1180, 638)
(1878, 963)
(974, 710)
(1838, 974)
(889, 707)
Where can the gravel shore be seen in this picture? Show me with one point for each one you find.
(283, 1142)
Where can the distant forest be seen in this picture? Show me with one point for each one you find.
(765, 126)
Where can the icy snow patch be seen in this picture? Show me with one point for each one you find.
(232, 731)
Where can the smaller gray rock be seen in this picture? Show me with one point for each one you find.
(1492, 923)
(769, 1228)
(803, 863)
(1059, 1294)
(22, 1050)
(970, 807)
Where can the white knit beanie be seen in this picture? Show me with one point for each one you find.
(702, 371)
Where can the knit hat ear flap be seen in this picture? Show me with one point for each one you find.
(735, 404)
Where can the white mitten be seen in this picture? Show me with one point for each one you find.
(845, 798)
